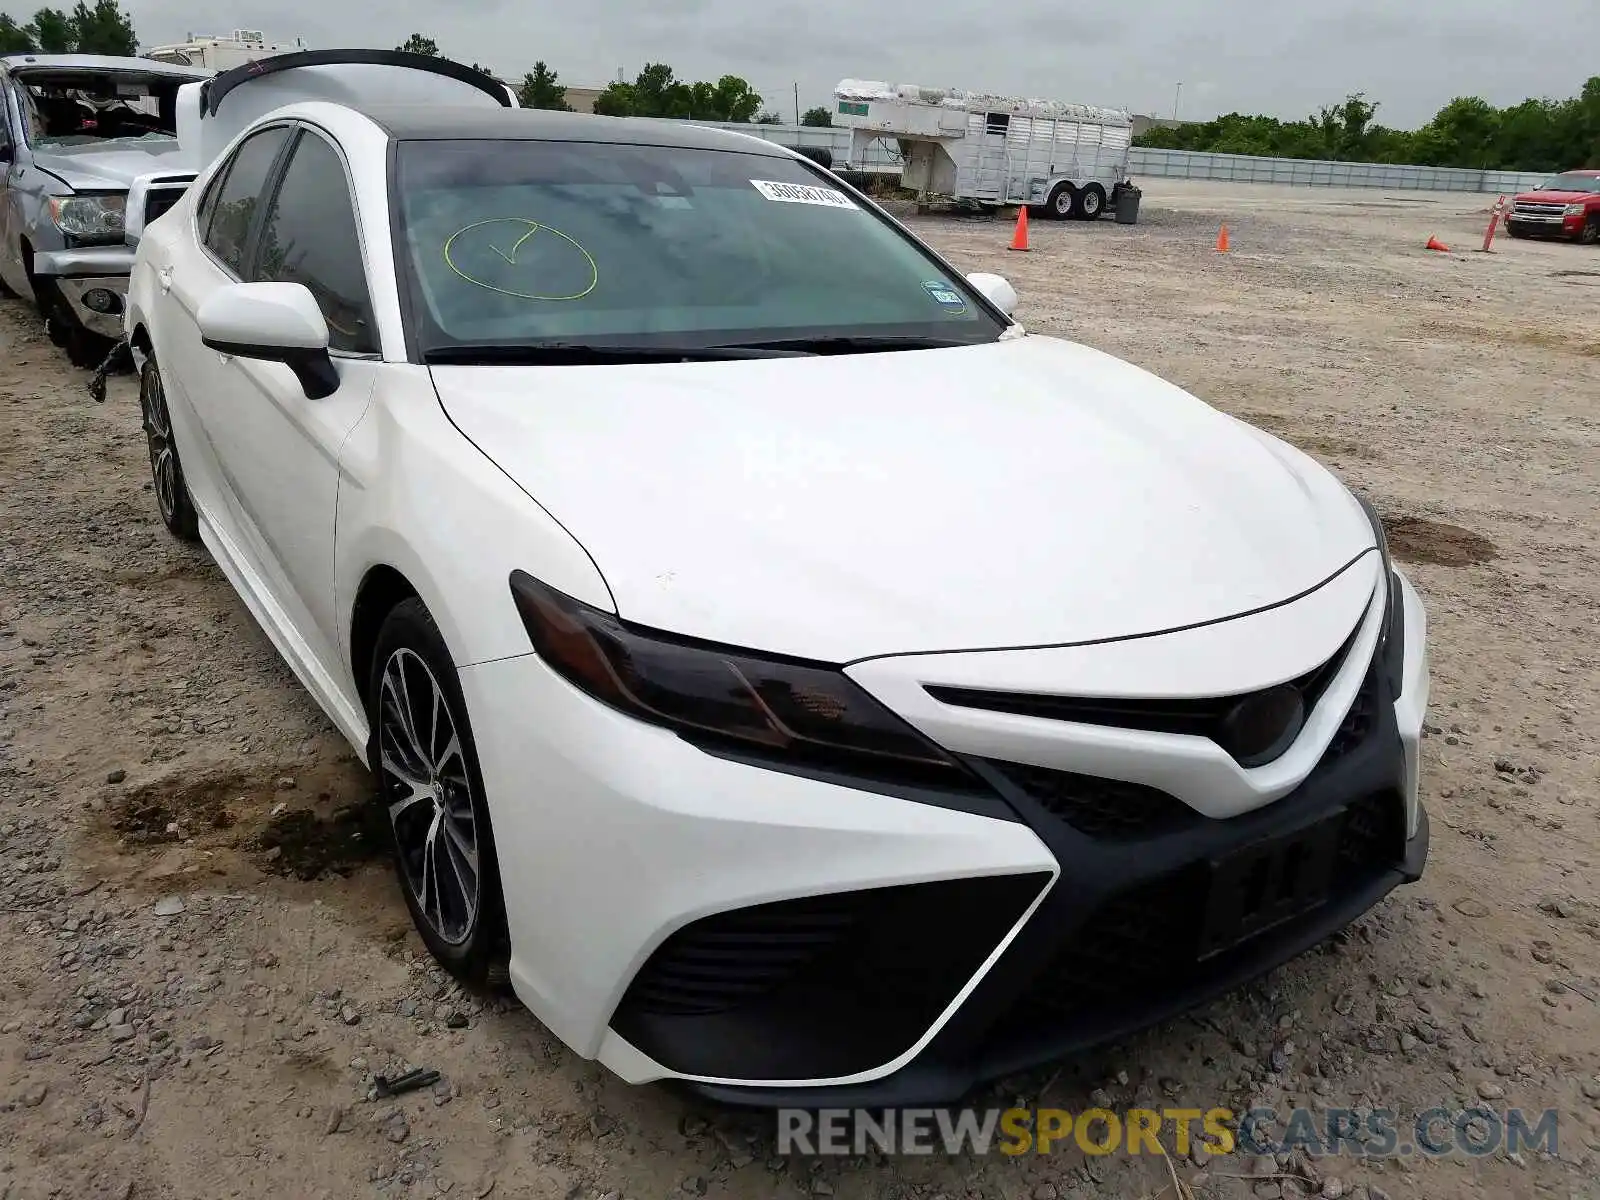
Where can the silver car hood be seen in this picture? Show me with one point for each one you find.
(112, 165)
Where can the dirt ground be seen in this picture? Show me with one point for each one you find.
(204, 969)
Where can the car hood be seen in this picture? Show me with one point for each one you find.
(1024, 492)
(1553, 197)
(110, 167)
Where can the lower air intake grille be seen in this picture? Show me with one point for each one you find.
(734, 958)
(818, 986)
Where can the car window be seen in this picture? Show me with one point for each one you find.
(238, 194)
(310, 237)
(517, 242)
(1571, 183)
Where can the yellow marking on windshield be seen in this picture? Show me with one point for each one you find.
(510, 257)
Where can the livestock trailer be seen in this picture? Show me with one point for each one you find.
(992, 150)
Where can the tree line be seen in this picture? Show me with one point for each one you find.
(1536, 135)
(100, 28)
(655, 92)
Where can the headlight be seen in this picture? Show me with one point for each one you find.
(799, 712)
(92, 218)
(1574, 209)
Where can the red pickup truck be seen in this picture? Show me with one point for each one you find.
(1567, 205)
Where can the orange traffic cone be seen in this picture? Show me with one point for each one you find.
(1435, 244)
(1019, 239)
(1222, 241)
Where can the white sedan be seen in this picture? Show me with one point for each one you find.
(802, 681)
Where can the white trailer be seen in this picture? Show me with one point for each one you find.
(222, 53)
(992, 150)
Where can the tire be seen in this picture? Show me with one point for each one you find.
(1063, 202)
(426, 768)
(166, 472)
(1590, 233)
(1091, 202)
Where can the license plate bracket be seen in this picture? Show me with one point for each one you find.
(1269, 882)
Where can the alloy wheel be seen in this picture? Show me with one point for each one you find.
(158, 436)
(429, 796)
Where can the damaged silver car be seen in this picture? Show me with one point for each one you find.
(90, 153)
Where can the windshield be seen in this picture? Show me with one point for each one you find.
(1571, 183)
(517, 243)
(84, 108)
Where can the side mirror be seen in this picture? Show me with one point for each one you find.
(996, 289)
(274, 322)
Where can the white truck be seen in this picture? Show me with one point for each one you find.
(217, 53)
(973, 147)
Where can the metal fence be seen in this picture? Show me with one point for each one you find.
(1310, 172)
(883, 157)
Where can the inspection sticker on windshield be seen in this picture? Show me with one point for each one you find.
(802, 193)
(944, 294)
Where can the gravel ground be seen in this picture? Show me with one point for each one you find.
(205, 969)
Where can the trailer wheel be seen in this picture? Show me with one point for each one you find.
(1062, 204)
(1091, 203)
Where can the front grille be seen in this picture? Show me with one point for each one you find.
(1206, 717)
(1357, 721)
(1153, 939)
(1117, 811)
(1538, 210)
(1109, 809)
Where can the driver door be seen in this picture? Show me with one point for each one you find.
(277, 451)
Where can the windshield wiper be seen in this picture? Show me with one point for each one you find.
(851, 344)
(579, 353)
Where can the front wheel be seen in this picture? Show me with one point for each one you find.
(1590, 233)
(426, 763)
(166, 472)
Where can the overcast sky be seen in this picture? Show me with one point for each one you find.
(1285, 58)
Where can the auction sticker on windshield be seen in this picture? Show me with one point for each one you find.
(802, 193)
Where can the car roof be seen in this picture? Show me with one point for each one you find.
(100, 62)
(419, 122)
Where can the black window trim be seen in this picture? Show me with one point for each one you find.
(825, 178)
(298, 128)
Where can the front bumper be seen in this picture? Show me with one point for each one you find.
(754, 934)
(80, 274)
(1549, 223)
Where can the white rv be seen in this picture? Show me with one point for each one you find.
(992, 150)
(222, 53)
